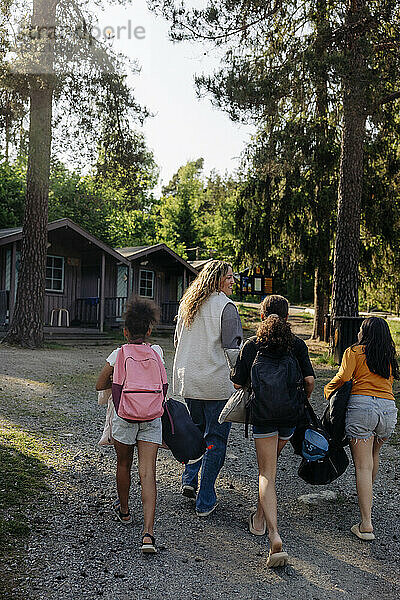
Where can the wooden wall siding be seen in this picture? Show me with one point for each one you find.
(3, 250)
(80, 282)
(166, 280)
(66, 299)
(173, 282)
(110, 289)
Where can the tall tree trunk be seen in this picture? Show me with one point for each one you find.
(27, 325)
(345, 270)
(321, 299)
(26, 328)
(323, 170)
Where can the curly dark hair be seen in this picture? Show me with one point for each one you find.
(379, 348)
(275, 333)
(140, 314)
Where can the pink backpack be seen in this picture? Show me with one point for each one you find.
(139, 383)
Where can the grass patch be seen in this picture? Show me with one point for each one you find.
(394, 327)
(55, 346)
(324, 359)
(250, 316)
(23, 481)
(305, 315)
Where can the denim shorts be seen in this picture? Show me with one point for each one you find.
(368, 415)
(130, 433)
(265, 431)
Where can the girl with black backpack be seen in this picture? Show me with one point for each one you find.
(276, 396)
(371, 415)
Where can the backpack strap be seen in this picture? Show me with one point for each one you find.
(163, 372)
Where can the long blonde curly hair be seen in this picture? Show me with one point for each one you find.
(206, 282)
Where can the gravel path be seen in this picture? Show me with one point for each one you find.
(77, 550)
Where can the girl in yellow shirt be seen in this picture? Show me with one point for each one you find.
(371, 412)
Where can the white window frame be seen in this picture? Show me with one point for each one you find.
(58, 291)
(152, 283)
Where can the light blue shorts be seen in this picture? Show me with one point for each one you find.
(369, 415)
(130, 433)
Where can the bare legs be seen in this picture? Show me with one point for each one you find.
(147, 454)
(268, 450)
(124, 464)
(366, 461)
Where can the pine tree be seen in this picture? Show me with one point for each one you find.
(47, 69)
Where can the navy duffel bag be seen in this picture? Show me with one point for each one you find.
(180, 433)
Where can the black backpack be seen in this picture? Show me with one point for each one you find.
(277, 389)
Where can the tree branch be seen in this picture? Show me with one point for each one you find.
(228, 33)
(388, 98)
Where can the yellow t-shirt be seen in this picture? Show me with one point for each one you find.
(354, 367)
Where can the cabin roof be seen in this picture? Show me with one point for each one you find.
(15, 233)
(132, 253)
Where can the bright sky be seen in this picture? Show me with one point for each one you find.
(184, 127)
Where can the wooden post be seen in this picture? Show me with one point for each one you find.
(12, 280)
(184, 282)
(102, 285)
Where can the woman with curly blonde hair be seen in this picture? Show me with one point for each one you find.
(208, 323)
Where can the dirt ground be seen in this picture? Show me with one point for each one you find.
(77, 550)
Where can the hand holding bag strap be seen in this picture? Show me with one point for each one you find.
(315, 420)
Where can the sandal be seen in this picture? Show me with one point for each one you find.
(277, 559)
(252, 528)
(149, 547)
(122, 517)
(363, 535)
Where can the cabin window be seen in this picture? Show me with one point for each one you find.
(146, 283)
(179, 290)
(257, 284)
(54, 273)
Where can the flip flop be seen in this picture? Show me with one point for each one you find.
(252, 528)
(149, 547)
(122, 517)
(367, 536)
(277, 559)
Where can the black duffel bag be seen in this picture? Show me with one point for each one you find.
(180, 434)
(327, 469)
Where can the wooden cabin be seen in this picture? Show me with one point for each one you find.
(161, 274)
(255, 281)
(87, 282)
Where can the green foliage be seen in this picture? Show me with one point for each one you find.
(130, 228)
(99, 208)
(199, 214)
(325, 358)
(127, 165)
(79, 199)
(179, 209)
(380, 227)
(283, 68)
(12, 194)
(218, 216)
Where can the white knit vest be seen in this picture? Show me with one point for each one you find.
(200, 368)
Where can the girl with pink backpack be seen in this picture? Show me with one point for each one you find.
(139, 384)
